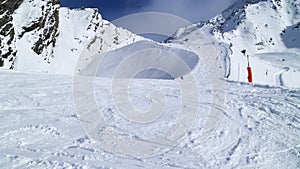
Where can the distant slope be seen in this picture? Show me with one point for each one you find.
(261, 27)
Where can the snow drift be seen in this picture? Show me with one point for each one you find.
(144, 59)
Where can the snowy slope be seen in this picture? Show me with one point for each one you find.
(267, 30)
(237, 125)
(258, 128)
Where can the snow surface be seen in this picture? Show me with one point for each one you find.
(259, 126)
(237, 124)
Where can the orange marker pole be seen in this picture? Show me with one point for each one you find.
(249, 74)
(249, 71)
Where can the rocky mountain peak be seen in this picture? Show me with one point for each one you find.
(24, 18)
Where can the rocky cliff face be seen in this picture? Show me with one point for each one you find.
(7, 32)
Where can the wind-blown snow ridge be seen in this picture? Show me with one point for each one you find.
(143, 59)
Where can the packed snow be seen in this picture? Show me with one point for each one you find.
(259, 126)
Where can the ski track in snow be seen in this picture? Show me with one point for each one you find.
(260, 127)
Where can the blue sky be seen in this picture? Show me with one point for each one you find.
(109, 9)
(191, 10)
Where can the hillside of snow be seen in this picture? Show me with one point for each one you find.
(269, 32)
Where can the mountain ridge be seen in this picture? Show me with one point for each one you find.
(268, 30)
(45, 37)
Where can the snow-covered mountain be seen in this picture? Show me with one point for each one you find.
(269, 32)
(43, 37)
